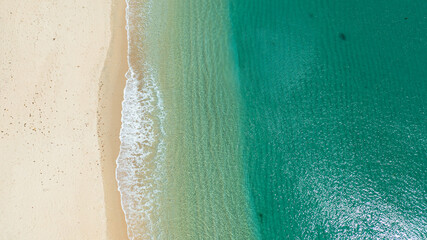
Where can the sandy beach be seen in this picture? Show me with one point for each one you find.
(62, 78)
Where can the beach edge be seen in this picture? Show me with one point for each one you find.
(110, 96)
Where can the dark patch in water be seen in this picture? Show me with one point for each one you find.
(343, 37)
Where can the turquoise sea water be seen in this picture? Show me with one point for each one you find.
(335, 122)
(249, 119)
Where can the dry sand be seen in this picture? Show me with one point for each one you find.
(61, 83)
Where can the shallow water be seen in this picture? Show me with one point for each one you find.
(249, 119)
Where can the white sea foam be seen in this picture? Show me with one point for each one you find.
(139, 165)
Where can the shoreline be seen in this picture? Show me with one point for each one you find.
(111, 86)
